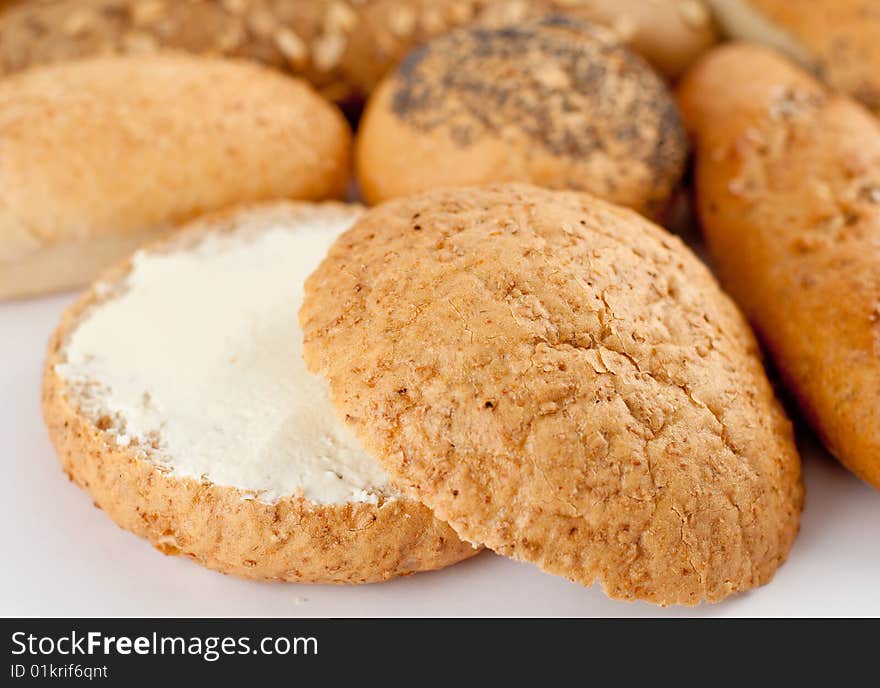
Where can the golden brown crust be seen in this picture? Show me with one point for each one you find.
(837, 38)
(556, 102)
(788, 181)
(119, 147)
(344, 48)
(561, 381)
(219, 527)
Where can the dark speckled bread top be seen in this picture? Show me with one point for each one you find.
(479, 81)
(575, 108)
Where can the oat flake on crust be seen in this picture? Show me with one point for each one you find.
(561, 381)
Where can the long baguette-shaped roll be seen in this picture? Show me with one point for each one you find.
(788, 190)
(98, 155)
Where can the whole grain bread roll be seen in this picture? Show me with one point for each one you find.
(836, 39)
(98, 155)
(344, 47)
(175, 394)
(788, 190)
(562, 381)
(555, 102)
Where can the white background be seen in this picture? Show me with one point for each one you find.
(63, 557)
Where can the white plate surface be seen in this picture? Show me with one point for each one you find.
(63, 557)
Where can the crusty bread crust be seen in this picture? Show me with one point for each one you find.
(220, 527)
(113, 148)
(788, 192)
(563, 382)
(556, 102)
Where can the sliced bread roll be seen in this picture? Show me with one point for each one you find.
(176, 396)
(98, 155)
(590, 401)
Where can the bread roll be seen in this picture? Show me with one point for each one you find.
(176, 396)
(837, 39)
(344, 47)
(788, 189)
(555, 102)
(563, 382)
(97, 155)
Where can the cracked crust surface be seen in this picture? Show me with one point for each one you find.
(343, 48)
(788, 193)
(555, 102)
(563, 382)
(224, 528)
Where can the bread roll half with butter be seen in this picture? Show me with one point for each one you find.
(176, 396)
(98, 155)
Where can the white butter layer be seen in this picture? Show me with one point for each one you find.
(201, 355)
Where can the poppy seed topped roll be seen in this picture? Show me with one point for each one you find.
(556, 102)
